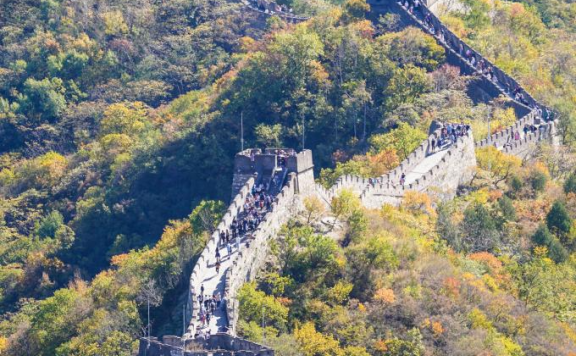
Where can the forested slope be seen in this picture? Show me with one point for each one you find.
(119, 121)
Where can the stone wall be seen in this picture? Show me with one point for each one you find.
(442, 180)
(201, 267)
(217, 345)
(526, 147)
(251, 258)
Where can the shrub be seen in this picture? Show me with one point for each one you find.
(558, 220)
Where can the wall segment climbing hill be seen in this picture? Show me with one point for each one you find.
(437, 172)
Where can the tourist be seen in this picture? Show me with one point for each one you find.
(516, 135)
(229, 248)
(217, 255)
(402, 179)
(433, 143)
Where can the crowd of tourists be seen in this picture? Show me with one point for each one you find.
(516, 136)
(257, 204)
(448, 135)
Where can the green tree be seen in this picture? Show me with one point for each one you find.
(411, 345)
(406, 85)
(206, 216)
(507, 208)
(543, 237)
(49, 225)
(43, 99)
(256, 306)
(269, 135)
(479, 229)
(558, 219)
(538, 181)
(570, 183)
(356, 9)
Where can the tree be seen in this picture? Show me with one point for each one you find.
(558, 220)
(314, 208)
(124, 118)
(543, 237)
(43, 99)
(49, 225)
(413, 47)
(206, 216)
(499, 165)
(269, 135)
(507, 208)
(256, 306)
(356, 9)
(411, 345)
(344, 204)
(404, 140)
(313, 343)
(570, 183)
(479, 229)
(406, 85)
(538, 180)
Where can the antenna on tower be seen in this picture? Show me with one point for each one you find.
(242, 131)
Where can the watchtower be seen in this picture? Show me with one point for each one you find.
(269, 163)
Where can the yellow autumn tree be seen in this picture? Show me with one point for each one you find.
(499, 165)
(385, 296)
(418, 202)
(43, 170)
(313, 343)
(124, 118)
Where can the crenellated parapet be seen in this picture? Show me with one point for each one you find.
(253, 255)
(202, 266)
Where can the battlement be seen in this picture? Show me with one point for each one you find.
(262, 164)
(220, 344)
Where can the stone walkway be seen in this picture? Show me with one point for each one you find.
(215, 282)
(426, 165)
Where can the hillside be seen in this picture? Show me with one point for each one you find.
(119, 125)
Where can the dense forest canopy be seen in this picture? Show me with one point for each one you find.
(118, 124)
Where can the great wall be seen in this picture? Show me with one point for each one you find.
(436, 172)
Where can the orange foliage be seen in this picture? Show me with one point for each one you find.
(365, 28)
(247, 44)
(437, 328)
(487, 259)
(284, 301)
(385, 296)
(418, 202)
(494, 195)
(381, 346)
(452, 286)
(532, 210)
(383, 161)
(340, 156)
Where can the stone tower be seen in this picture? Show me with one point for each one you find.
(263, 165)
